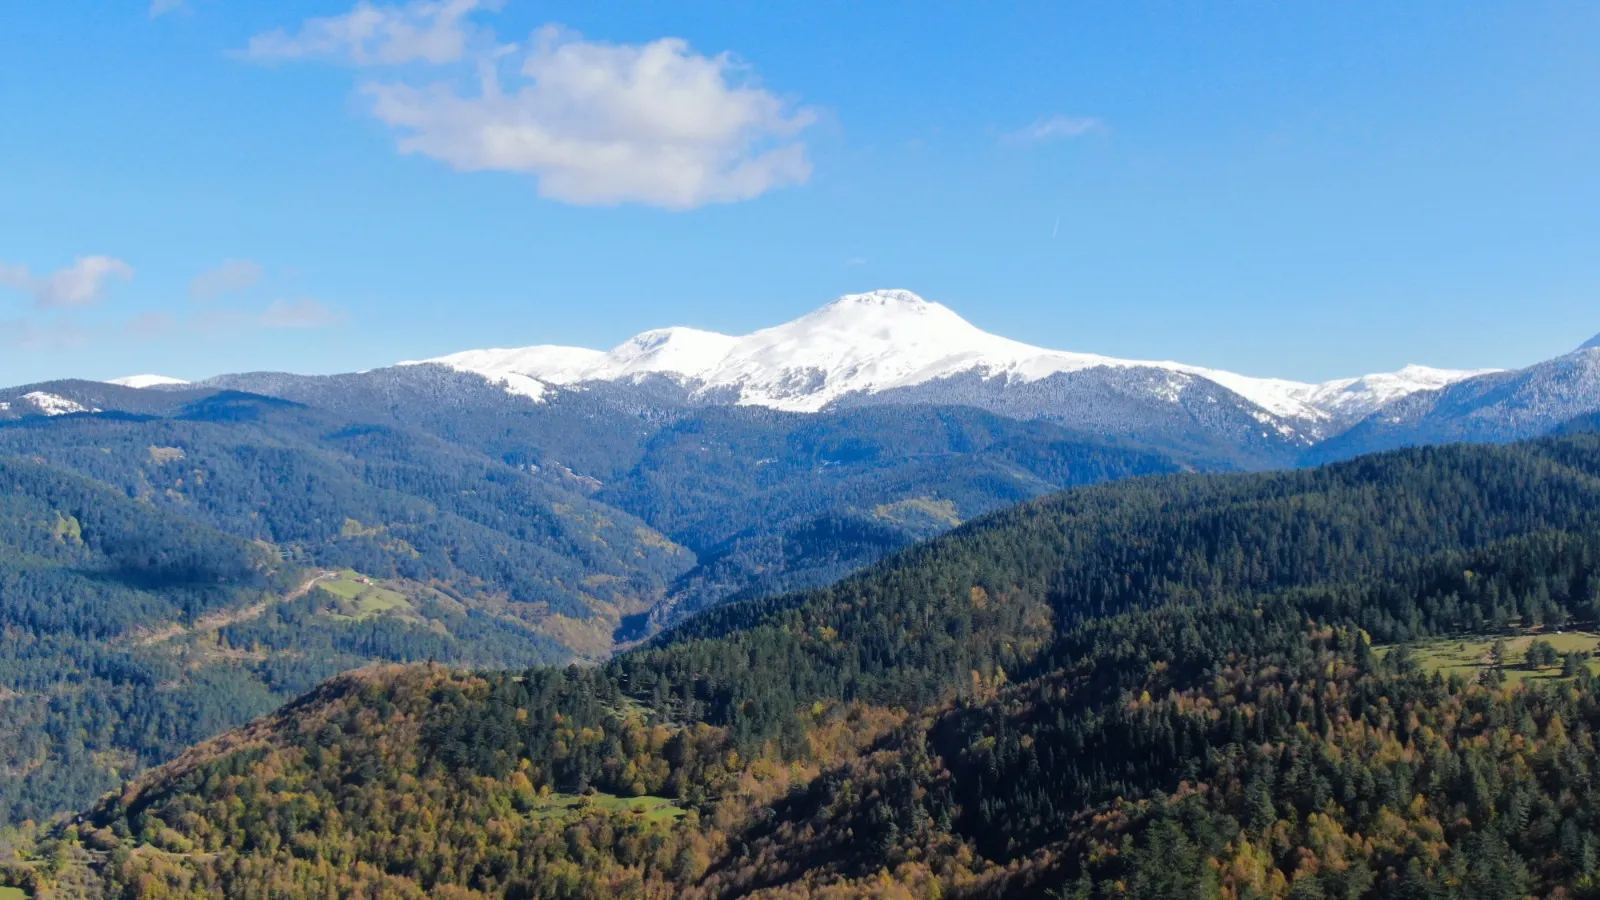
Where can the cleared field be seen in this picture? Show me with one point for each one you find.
(11, 893)
(362, 598)
(1469, 657)
(655, 809)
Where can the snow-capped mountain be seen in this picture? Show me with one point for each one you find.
(147, 381)
(884, 342)
(1500, 406)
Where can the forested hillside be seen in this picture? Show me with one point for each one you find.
(1182, 686)
(83, 570)
(771, 501)
(376, 498)
(764, 501)
(377, 540)
(768, 501)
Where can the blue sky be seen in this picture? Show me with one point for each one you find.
(1302, 190)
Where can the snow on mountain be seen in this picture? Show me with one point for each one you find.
(1356, 398)
(512, 368)
(1593, 344)
(53, 405)
(146, 381)
(688, 352)
(885, 340)
(1495, 407)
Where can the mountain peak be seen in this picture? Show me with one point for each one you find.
(146, 381)
(886, 298)
(680, 350)
(1593, 344)
(884, 340)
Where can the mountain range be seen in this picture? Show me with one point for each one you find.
(742, 450)
(892, 347)
(886, 346)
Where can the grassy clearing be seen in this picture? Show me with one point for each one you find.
(654, 809)
(361, 597)
(1469, 657)
(11, 893)
(905, 512)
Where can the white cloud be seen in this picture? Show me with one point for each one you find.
(162, 7)
(302, 313)
(433, 31)
(604, 124)
(594, 123)
(233, 275)
(1051, 128)
(81, 284)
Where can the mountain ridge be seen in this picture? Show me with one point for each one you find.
(886, 340)
(1496, 407)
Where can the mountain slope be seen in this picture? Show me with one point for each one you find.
(1162, 684)
(83, 569)
(393, 544)
(767, 500)
(76, 396)
(1502, 406)
(165, 578)
(773, 501)
(339, 493)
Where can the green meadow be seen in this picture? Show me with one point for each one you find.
(655, 809)
(362, 599)
(1469, 656)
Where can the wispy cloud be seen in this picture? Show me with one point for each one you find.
(220, 322)
(160, 8)
(302, 313)
(150, 326)
(25, 335)
(593, 123)
(1053, 128)
(81, 284)
(433, 31)
(233, 275)
(855, 261)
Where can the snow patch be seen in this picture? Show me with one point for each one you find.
(52, 405)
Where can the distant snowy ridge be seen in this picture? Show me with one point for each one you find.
(884, 340)
(53, 405)
(146, 381)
